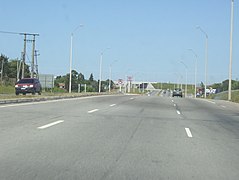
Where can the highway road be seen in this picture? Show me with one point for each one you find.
(120, 137)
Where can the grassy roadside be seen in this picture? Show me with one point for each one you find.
(224, 96)
(8, 93)
(7, 90)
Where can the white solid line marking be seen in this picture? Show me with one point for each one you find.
(112, 105)
(188, 132)
(51, 124)
(94, 110)
(131, 98)
(178, 112)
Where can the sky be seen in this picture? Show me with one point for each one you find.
(148, 40)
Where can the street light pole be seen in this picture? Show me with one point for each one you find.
(230, 64)
(70, 62)
(71, 54)
(195, 79)
(101, 57)
(186, 85)
(110, 75)
(206, 59)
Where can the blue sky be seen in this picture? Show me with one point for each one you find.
(147, 38)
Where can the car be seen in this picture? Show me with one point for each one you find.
(28, 85)
(177, 92)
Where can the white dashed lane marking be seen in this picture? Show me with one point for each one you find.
(188, 132)
(94, 110)
(51, 124)
(178, 112)
(112, 105)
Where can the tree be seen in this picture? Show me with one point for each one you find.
(81, 78)
(225, 85)
(74, 80)
(60, 79)
(10, 69)
(235, 85)
(217, 86)
(91, 77)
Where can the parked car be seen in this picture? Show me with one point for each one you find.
(177, 92)
(28, 85)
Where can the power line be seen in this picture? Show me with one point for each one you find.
(19, 33)
(7, 32)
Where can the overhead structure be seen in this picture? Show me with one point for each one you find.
(33, 63)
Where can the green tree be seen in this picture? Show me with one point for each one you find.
(91, 77)
(81, 78)
(10, 69)
(217, 86)
(225, 85)
(74, 80)
(235, 85)
(60, 79)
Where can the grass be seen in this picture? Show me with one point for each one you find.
(224, 96)
(7, 89)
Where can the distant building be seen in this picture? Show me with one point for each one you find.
(62, 85)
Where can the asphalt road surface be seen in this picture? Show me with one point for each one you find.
(120, 137)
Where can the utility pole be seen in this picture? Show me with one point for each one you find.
(18, 68)
(33, 55)
(37, 73)
(24, 55)
(2, 71)
(101, 57)
(24, 50)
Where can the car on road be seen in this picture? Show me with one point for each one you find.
(28, 85)
(177, 92)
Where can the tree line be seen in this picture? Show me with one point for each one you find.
(79, 79)
(9, 70)
(9, 73)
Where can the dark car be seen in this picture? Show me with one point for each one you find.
(177, 92)
(28, 85)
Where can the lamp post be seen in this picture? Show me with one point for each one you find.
(230, 64)
(206, 59)
(186, 85)
(195, 78)
(110, 75)
(101, 59)
(71, 51)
